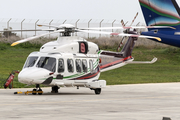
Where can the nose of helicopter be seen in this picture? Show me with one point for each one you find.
(33, 75)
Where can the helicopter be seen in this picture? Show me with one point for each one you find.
(72, 61)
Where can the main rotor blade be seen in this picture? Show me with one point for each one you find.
(134, 35)
(130, 27)
(40, 25)
(27, 30)
(34, 37)
(119, 34)
(96, 32)
(101, 28)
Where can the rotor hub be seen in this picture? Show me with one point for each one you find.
(68, 29)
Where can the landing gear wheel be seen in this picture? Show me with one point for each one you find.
(55, 89)
(40, 92)
(34, 92)
(97, 91)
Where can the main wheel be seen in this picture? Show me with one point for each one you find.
(55, 89)
(34, 92)
(97, 91)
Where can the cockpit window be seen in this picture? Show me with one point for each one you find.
(48, 63)
(30, 61)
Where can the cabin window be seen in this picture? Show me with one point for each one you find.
(30, 62)
(48, 63)
(84, 65)
(78, 65)
(70, 65)
(61, 65)
(91, 65)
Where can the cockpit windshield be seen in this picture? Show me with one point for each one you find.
(30, 61)
(48, 63)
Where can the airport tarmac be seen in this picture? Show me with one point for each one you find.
(117, 102)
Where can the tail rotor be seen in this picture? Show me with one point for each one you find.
(127, 31)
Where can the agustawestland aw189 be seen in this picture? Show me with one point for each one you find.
(72, 61)
(162, 13)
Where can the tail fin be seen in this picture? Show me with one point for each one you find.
(111, 60)
(128, 47)
(161, 13)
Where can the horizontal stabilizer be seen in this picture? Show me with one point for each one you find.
(142, 62)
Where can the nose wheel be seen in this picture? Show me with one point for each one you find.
(34, 92)
(38, 90)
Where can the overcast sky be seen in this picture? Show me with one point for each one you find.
(71, 9)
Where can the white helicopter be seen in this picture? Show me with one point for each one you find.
(72, 61)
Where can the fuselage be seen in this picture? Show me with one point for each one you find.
(67, 61)
(167, 37)
(64, 69)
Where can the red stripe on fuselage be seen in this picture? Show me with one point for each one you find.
(87, 77)
(115, 62)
